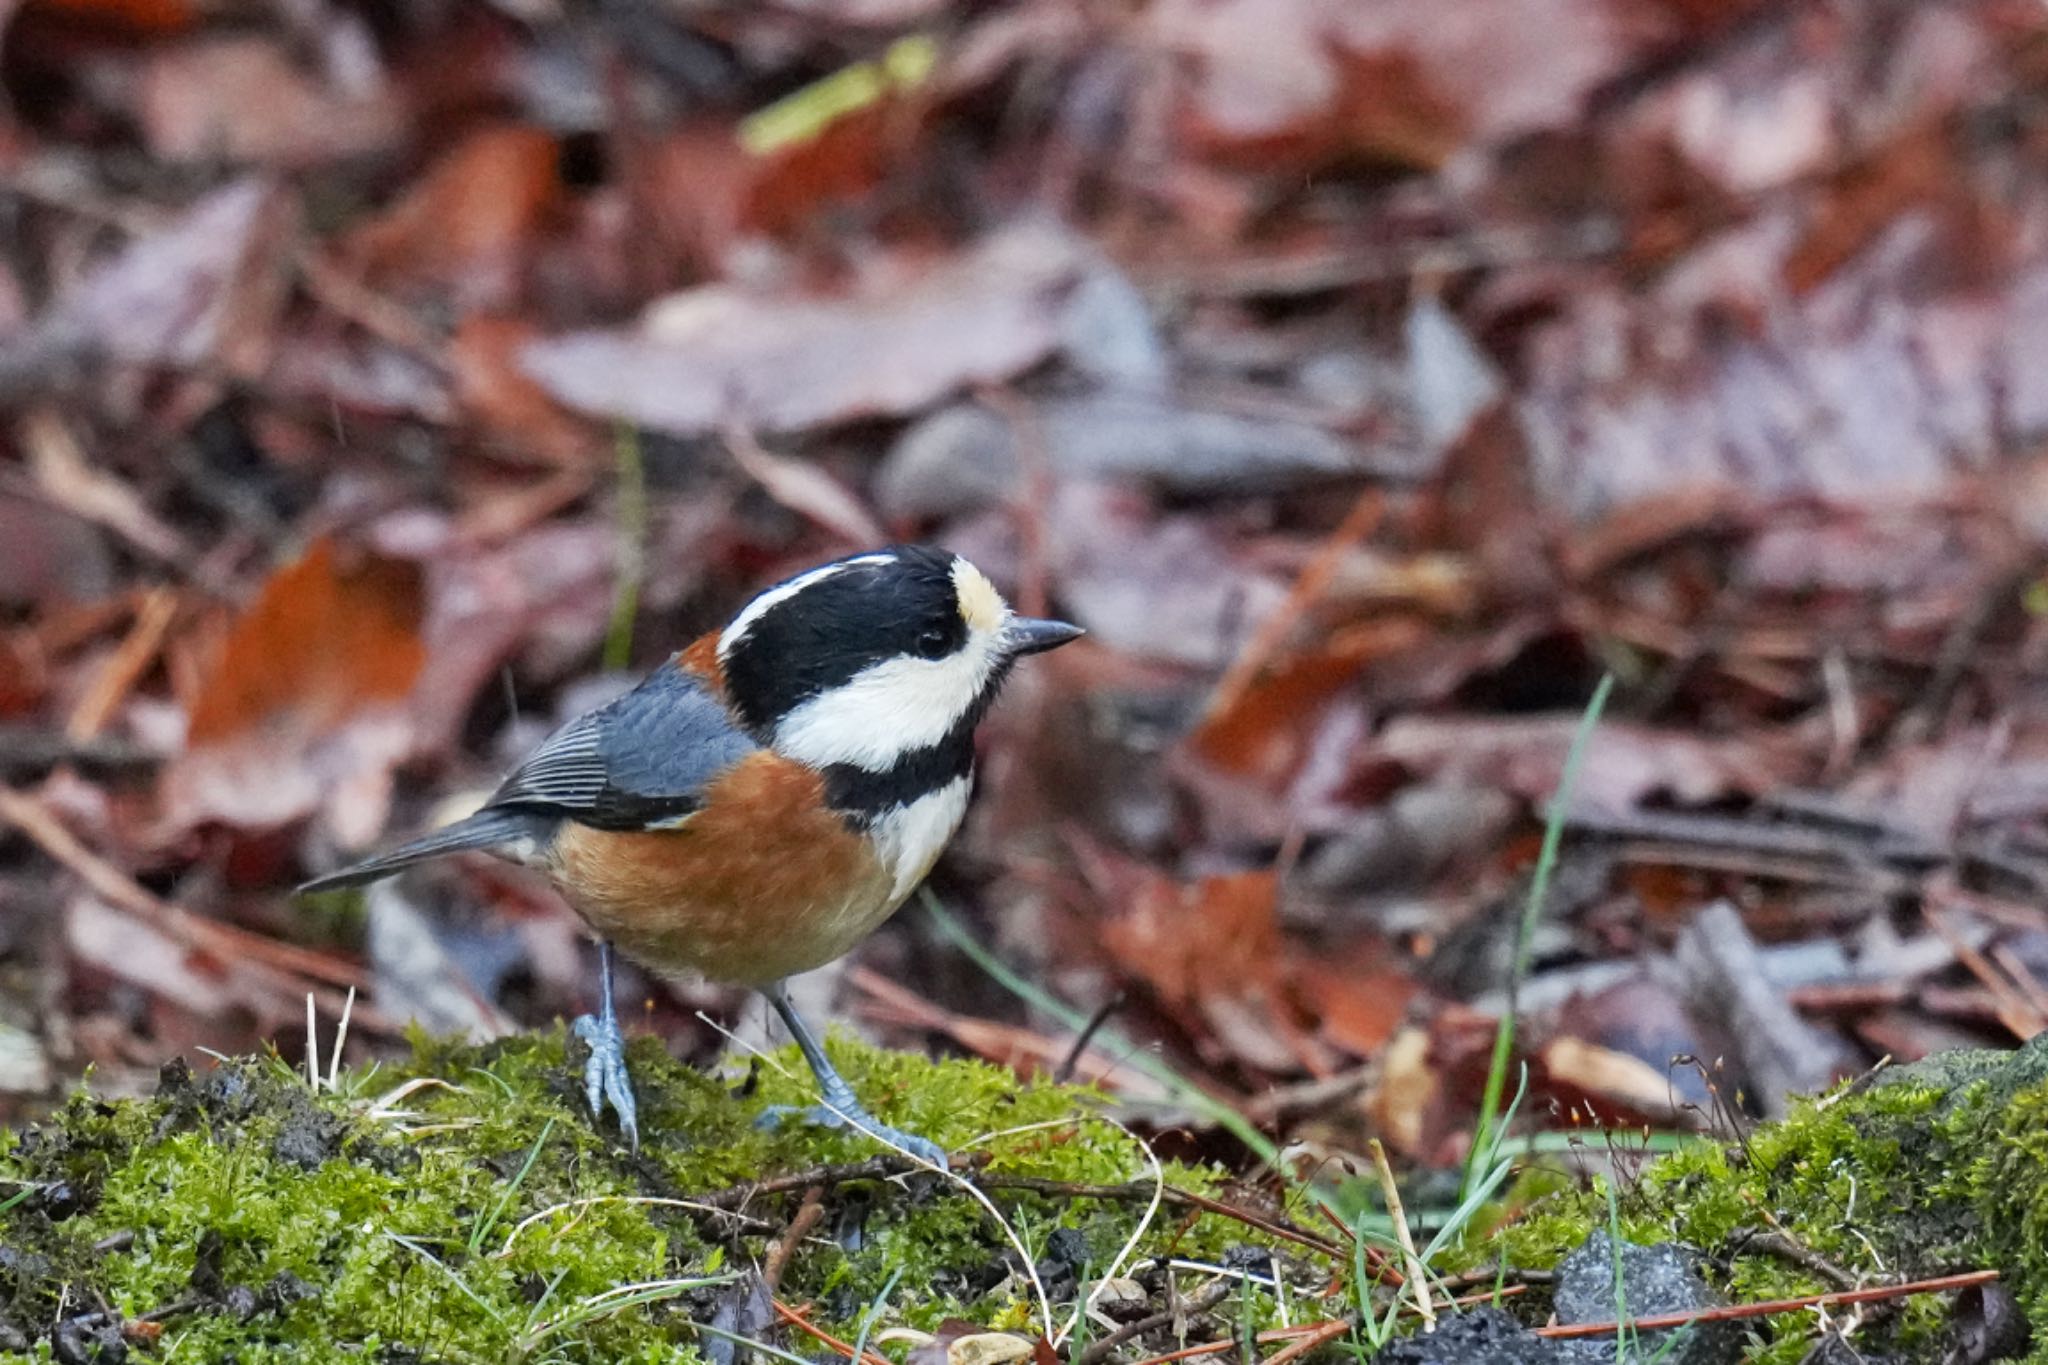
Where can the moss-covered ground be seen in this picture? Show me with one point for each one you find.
(241, 1214)
(463, 1208)
(1922, 1171)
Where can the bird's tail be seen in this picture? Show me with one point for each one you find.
(488, 828)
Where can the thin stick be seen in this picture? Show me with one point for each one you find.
(1734, 1311)
(1188, 1199)
(807, 1215)
(1308, 1341)
(819, 1334)
(1204, 1299)
(118, 889)
(129, 661)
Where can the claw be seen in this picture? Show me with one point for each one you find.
(825, 1116)
(841, 1106)
(605, 1079)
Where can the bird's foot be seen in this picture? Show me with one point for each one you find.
(605, 1080)
(843, 1112)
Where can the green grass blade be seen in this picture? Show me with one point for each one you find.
(1486, 1133)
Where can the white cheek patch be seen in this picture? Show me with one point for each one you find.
(776, 596)
(910, 838)
(890, 709)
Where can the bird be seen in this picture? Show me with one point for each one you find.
(765, 798)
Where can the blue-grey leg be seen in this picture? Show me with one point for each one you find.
(604, 1075)
(841, 1105)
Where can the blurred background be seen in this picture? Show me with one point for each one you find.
(383, 383)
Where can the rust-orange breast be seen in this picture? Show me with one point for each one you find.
(763, 882)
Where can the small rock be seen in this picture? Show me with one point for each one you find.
(89, 1339)
(308, 1136)
(1988, 1324)
(1654, 1280)
(1484, 1336)
(1121, 1300)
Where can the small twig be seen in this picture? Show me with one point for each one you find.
(807, 1215)
(348, 298)
(1782, 1245)
(117, 677)
(26, 752)
(808, 1328)
(874, 1168)
(1308, 1341)
(1186, 1199)
(1064, 1072)
(122, 891)
(1736, 1311)
(1201, 1302)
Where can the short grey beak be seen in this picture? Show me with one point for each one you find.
(1023, 635)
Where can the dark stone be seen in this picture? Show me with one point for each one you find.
(1988, 1325)
(89, 1339)
(1484, 1336)
(1655, 1280)
(308, 1137)
(229, 1094)
(286, 1289)
(59, 1201)
(207, 1280)
(241, 1302)
(174, 1079)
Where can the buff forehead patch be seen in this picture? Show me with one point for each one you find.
(981, 606)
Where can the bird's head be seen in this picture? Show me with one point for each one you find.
(870, 662)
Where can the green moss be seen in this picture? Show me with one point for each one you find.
(478, 1216)
(1937, 1168)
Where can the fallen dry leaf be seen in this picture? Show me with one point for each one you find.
(1624, 763)
(242, 99)
(722, 356)
(304, 706)
(517, 416)
(468, 225)
(203, 290)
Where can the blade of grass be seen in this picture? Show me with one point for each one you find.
(1486, 1133)
(874, 1313)
(482, 1231)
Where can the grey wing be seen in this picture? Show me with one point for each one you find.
(640, 762)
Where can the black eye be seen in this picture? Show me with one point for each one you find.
(935, 643)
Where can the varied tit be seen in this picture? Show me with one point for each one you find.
(765, 798)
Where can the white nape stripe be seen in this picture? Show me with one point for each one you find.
(910, 838)
(776, 596)
(891, 708)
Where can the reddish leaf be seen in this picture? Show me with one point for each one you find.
(306, 698)
(469, 224)
(1188, 940)
(516, 413)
